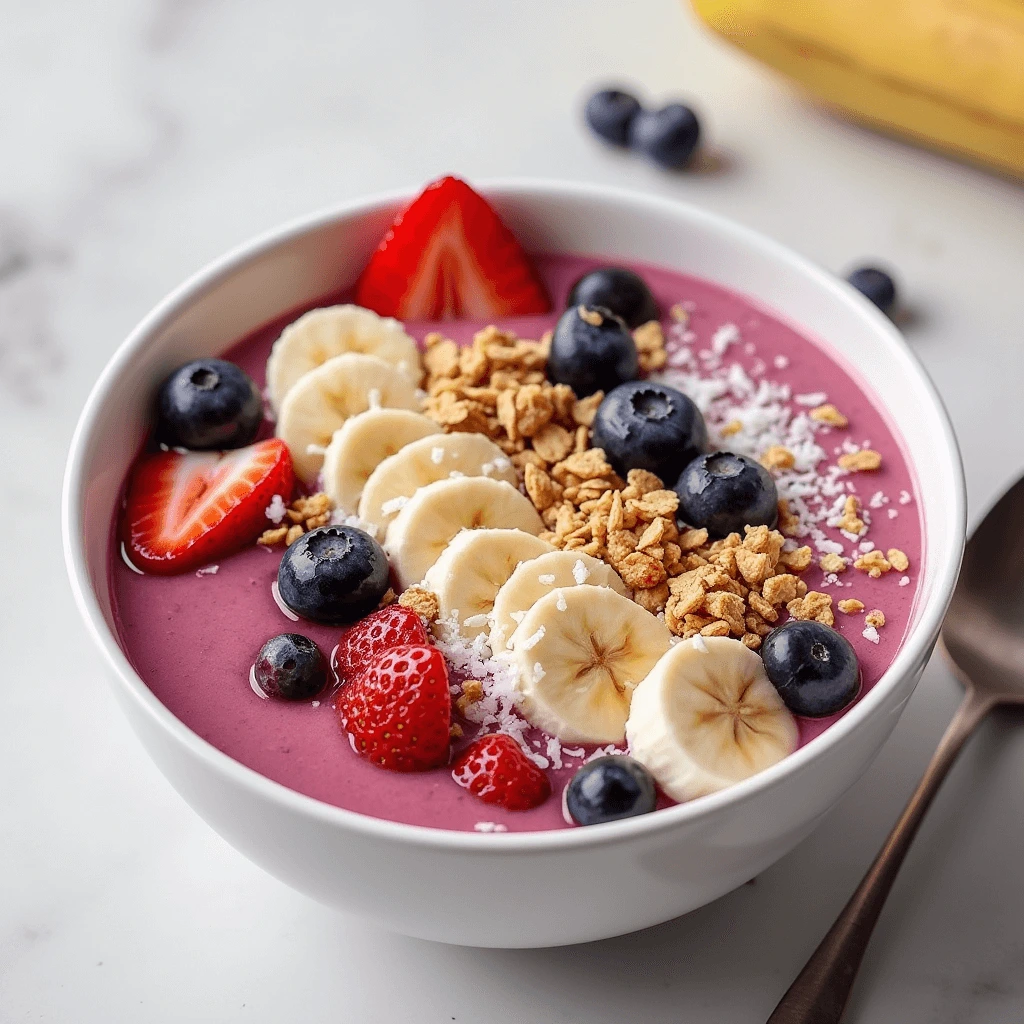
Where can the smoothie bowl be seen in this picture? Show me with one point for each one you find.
(571, 547)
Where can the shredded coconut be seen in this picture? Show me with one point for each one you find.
(726, 335)
(276, 509)
(489, 826)
(904, 581)
(905, 498)
(207, 570)
(547, 579)
(532, 640)
(394, 504)
(560, 602)
(538, 675)
(580, 573)
(871, 634)
(476, 620)
(373, 398)
(437, 455)
(698, 642)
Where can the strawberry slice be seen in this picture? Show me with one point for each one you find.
(495, 769)
(448, 256)
(379, 632)
(184, 510)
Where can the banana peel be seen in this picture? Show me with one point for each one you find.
(946, 73)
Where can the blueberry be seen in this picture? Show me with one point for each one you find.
(725, 492)
(592, 350)
(668, 136)
(642, 425)
(290, 666)
(609, 113)
(208, 403)
(876, 285)
(609, 788)
(623, 292)
(813, 667)
(334, 574)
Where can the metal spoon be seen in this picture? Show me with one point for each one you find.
(983, 638)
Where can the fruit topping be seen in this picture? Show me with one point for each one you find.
(331, 331)
(622, 291)
(876, 285)
(184, 510)
(449, 256)
(813, 667)
(437, 512)
(579, 652)
(322, 400)
(609, 788)
(334, 575)
(381, 631)
(723, 493)
(707, 717)
(591, 350)
(667, 136)
(207, 404)
(642, 425)
(291, 666)
(495, 769)
(398, 712)
(609, 113)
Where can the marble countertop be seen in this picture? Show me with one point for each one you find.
(141, 139)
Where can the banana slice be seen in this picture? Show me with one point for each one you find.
(707, 717)
(324, 398)
(437, 512)
(534, 579)
(473, 568)
(362, 444)
(332, 331)
(580, 651)
(425, 461)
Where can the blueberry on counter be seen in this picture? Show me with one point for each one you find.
(622, 291)
(667, 136)
(609, 113)
(813, 667)
(591, 350)
(208, 403)
(610, 788)
(291, 666)
(334, 575)
(876, 285)
(724, 492)
(643, 425)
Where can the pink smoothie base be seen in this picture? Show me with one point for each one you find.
(194, 638)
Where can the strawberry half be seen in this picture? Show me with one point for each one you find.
(398, 713)
(393, 626)
(495, 769)
(448, 256)
(184, 510)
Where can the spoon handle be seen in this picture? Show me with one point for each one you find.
(821, 989)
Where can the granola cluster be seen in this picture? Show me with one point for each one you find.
(302, 515)
(498, 386)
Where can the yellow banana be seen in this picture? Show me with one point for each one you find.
(948, 73)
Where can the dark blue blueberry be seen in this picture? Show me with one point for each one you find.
(642, 425)
(334, 574)
(592, 350)
(290, 666)
(813, 667)
(668, 136)
(609, 113)
(876, 285)
(626, 294)
(609, 788)
(208, 403)
(724, 492)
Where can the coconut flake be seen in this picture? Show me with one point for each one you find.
(904, 581)
(726, 335)
(475, 620)
(489, 826)
(698, 642)
(532, 640)
(871, 634)
(560, 603)
(207, 570)
(373, 398)
(580, 573)
(394, 504)
(547, 579)
(437, 455)
(276, 510)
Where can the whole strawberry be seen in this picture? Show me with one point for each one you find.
(393, 626)
(495, 769)
(398, 712)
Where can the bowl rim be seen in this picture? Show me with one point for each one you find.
(915, 648)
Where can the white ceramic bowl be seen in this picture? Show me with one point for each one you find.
(530, 889)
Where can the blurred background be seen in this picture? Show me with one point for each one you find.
(142, 139)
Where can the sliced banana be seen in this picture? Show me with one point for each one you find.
(437, 512)
(324, 398)
(362, 444)
(425, 461)
(536, 578)
(321, 334)
(473, 568)
(580, 651)
(707, 717)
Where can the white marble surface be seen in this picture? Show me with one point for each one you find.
(138, 140)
